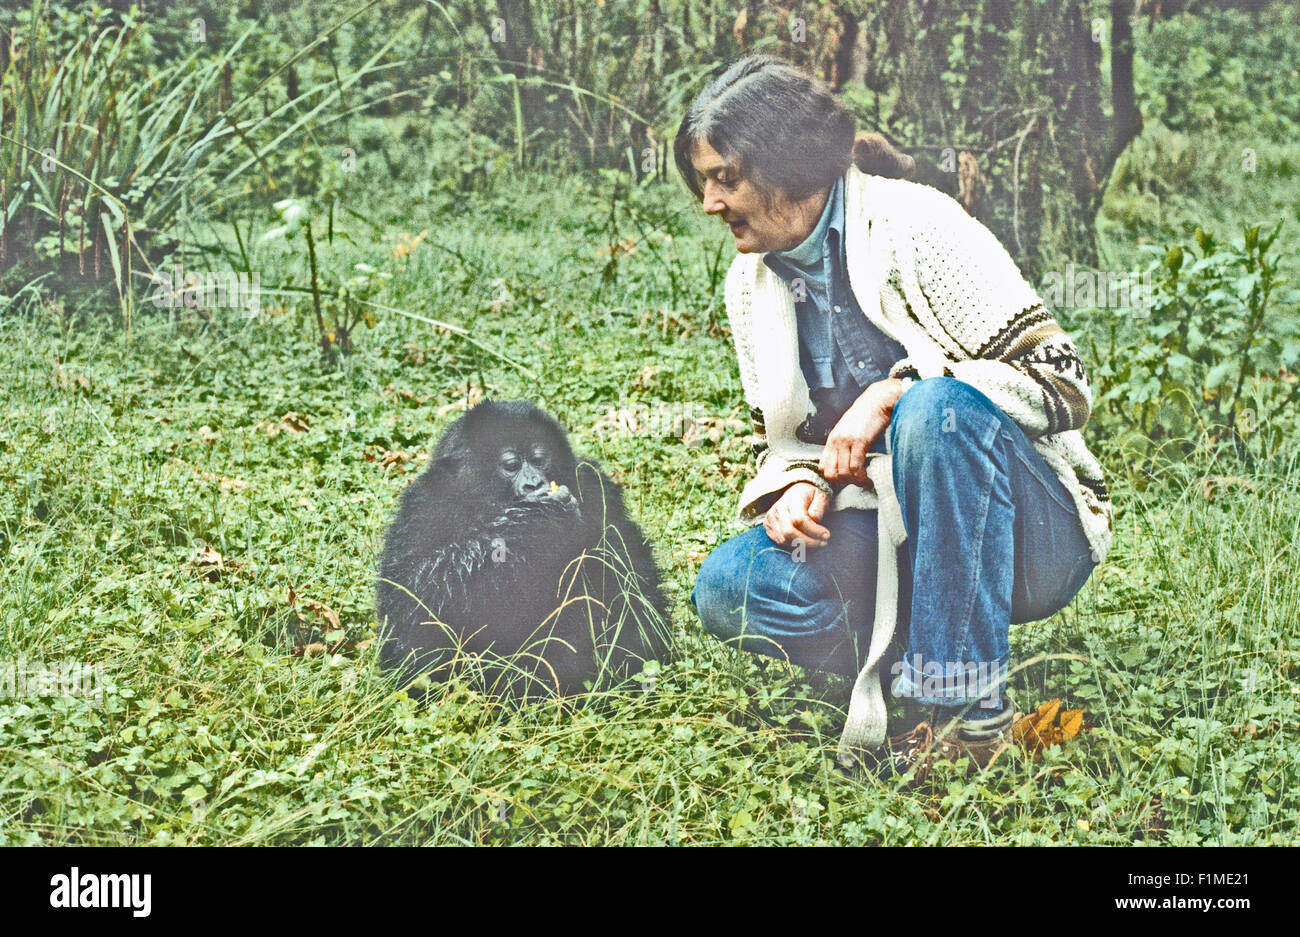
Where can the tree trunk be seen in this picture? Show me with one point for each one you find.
(1128, 120)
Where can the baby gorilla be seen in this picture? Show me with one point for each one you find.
(508, 548)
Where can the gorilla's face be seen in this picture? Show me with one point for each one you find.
(508, 451)
(526, 469)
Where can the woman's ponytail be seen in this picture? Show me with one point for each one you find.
(876, 156)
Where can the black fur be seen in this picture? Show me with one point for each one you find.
(480, 557)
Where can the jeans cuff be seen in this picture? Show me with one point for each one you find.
(950, 683)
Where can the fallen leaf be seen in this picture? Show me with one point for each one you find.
(224, 482)
(392, 390)
(206, 556)
(211, 565)
(644, 379)
(406, 244)
(291, 422)
(313, 614)
(392, 458)
(472, 394)
(1071, 723)
(694, 432)
(319, 616)
(625, 246)
(331, 616)
(1042, 729)
(67, 380)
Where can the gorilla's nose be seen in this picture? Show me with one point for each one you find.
(531, 484)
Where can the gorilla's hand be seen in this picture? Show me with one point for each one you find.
(559, 505)
(565, 497)
(556, 494)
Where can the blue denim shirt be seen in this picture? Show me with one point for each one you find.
(841, 352)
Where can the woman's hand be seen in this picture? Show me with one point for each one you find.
(845, 457)
(795, 514)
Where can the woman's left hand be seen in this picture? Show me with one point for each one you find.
(845, 457)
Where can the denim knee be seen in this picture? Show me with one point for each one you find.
(718, 589)
(935, 413)
(710, 587)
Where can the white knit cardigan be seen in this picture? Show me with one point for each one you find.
(937, 281)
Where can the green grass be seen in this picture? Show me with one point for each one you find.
(120, 457)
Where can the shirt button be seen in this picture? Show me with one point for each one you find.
(837, 308)
(861, 365)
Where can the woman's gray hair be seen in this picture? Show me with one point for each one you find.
(779, 128)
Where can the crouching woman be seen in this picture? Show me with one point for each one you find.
(875, 321)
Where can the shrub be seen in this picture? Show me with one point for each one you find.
(1217, 353)
(105, 155)
(101, 153)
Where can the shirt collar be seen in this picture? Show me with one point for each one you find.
(808, 255)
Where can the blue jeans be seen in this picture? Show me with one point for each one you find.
(993, 537)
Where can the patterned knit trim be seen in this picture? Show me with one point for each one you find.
(1097, 486)
(1054, 405)
(808, 464)
(1069, 405)
(1037, 336)
(1020, 324)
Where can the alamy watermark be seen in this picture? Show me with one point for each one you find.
(1110, 289)
(958, 681)
(28, 679)
(667, 421)
(225, 290)
(77, 889)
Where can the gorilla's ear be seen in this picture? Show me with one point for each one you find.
(445, 467)
(452, 453)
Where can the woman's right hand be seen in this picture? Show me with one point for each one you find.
(795, 516)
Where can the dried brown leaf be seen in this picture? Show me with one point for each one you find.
(645, 378)
(1046, 726)
(468, 397)
(1071, 723)
(211, 565)
(331, 617)
(291, 422)
(224, 482)
(395, 459)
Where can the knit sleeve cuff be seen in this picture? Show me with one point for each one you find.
(904, 368)
(763, 490)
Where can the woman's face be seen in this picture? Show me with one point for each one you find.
(758, 225)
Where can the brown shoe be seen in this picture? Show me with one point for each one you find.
(947, 738)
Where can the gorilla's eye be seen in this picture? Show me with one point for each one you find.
(537, 456)
(509, 461)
